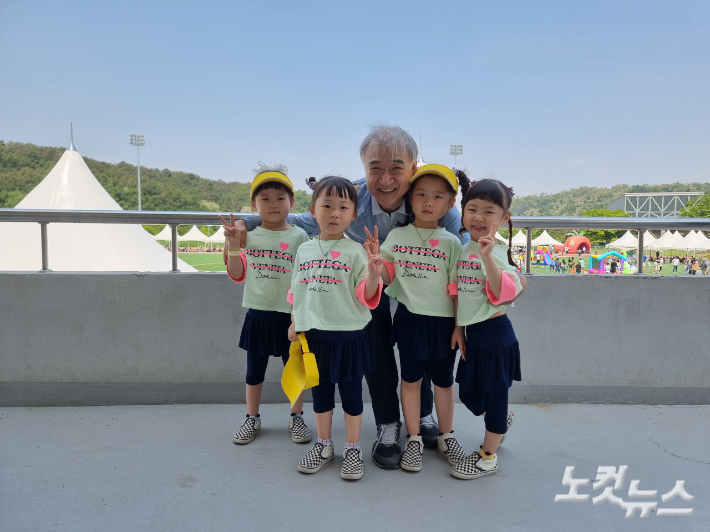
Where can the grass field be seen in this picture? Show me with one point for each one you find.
(205, 262)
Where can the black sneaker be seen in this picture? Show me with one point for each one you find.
(249, 429)
(386, 451)
(353, 467)
(315, 458)
(429, 429)
(412, 456)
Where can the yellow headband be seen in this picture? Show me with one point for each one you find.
(266, 177)
(437, 170)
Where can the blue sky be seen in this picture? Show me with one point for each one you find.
(545, 95)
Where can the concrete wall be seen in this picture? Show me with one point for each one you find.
(151, 338)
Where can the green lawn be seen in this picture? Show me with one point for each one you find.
(205, 262)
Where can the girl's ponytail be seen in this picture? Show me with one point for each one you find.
(464, 183)
(510, 243)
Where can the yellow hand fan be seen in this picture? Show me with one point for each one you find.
(301, 370)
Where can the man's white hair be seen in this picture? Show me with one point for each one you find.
(392, 138)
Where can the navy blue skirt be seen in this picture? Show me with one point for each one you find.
(422, 337)
(342, 356)
(265, 333)
(492, 357)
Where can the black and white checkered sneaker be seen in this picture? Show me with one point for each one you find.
(315, 458)
(298, 429)
(511, 418)
(249, 429)
(353, 468)
(474, 466)
(412, 455)
(451, 449)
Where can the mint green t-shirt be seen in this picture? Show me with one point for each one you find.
(425, 266)
(270, 259)
(473, 305)
(323, 286)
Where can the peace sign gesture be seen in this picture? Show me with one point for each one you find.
(488, 242)
(234, 232)
(372, 244)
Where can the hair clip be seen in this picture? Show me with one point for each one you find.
(311, 182)
(511, 192)
(263, 168)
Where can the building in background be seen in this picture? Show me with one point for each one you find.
(654, 204)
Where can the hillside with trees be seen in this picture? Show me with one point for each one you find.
(23, 166)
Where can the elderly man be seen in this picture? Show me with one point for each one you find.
(389, 155)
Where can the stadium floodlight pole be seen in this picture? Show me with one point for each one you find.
(456, 150)
(138, 141)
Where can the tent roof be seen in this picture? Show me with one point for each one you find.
(218, 236)
(165, 234)
(520, 239)
(70, 185)
(545, 240)
(501, 238)
(193, 235)
(666, 241)
(627, 241)
(695, 241)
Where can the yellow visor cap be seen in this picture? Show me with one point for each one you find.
(439, 170)
(266, 177)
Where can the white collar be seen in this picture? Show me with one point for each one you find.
(376, 209)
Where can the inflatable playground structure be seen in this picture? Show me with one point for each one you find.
(577, 245)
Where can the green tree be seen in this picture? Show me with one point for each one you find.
(697, 208)
(603, 235)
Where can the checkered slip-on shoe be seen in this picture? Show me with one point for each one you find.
(315, 458)
(412, 455)
(474, 466)
(249, 429)
(451, 449)
(353, 468)
(511, 418)
(298, 429)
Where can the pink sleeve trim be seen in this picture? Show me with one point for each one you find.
(244, 269)
(453, 289)
(507, 290)
(289, 297)
(390, 270)
(360, 294)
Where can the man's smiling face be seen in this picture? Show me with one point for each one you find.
(387, 174)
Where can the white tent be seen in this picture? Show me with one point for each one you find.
(217, 237)
(667, 241)
(627, 241)
(545, 240)
(694, 241)
(648, 239)
(70, 185)
(165, 234)
(520, 239)
(193, 235)
(501, 238)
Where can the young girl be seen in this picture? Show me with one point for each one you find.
(420, 262)
(335, 284)
(491, 360)
(265, 266)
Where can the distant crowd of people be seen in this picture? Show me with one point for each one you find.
(691, 265)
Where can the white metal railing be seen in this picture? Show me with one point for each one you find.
(176, 218)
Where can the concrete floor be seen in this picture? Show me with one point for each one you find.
(175, 468)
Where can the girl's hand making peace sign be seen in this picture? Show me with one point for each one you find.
(488, 242)
(233, 234)
(372, 244)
